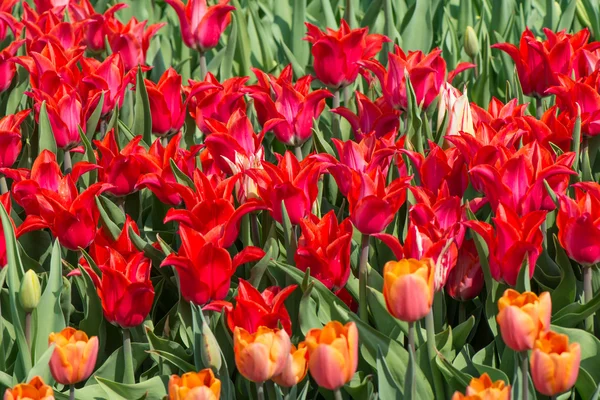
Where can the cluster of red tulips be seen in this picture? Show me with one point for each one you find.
(296, 168)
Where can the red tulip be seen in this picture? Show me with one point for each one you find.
(202, 26)
(513, 239)
(325, 247)
(217, 104)
(204, 269)
(47, 26)
(7, 63)
(497, 112)
(586, 60)
(7, 21)
(122, 168)
(426, 72)
(465, 280)
(372, 203)
(95, 25)
(519, 182)
(6, 203)
(577, 221)
(132, 40)
(376, 117)
(291, 112)
(336, 53)
(163, 183)
(56, 6)
(539, 63)
(10, 138)
(253, 309)
(125, 289)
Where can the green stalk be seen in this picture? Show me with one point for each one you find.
(363, 310)
(588, 295)
(67, 162)
(411, 350)
(337, 394)
(298, 152)
(576, 143)
(203, 68)
(411, 336)
(525, 377)
(3, 184)
(260, 391)
(254, 230)
(128, 376)
(28, 329)
(438, 384)
(72, 392)
(539, 107)
(335, 125)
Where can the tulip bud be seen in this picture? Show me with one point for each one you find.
(261, 355)
(295, 368)
(333, 354)
(522, 317)
(30, 292)
(471, 42)
(210, 351)
(554, 363)
(195, 385)
(484, 388)
(408, 288)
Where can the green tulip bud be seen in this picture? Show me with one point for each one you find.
(30, 292)
(471, 42)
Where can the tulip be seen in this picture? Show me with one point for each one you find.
(522, 317)
(455, 107)
(131, 40)
(36, 389)
(514, 239)
(74, 356)
(471, 44)
(376, 117)
(7, 63)
(199, 259)
(95, 25)
(578, 224)
(122, 168)
(497, 114)
(125, 289)
(6, 203)
(483, 388)
(465, 280)
(336, 53)
(554, 363)
(200, 385)
(202, 26)
(539, 63)
(408, 288)
(332, 354)
(427, 73)
(261, 355)
(291, 113)
(324, 247)
(7, 21)
(295, 368)
(254, 309)
(30, 291)
(10, 138)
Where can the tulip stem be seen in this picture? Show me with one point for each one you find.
(462, 312)
(260, 391)
(254, 230)
(67, 163)
(298, 152)
(539, 107)
(411, 336)
(588, 294)
(3, 184)
(335, 124)
(72, 392)
(347, 97)
(28, 329)
(363, 310)
(525, 377)
(337, 394)
(128, 375)
(438, 384)
(203, 69)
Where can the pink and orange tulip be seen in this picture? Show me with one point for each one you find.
(554, 363)
(483, 388)
(74, 356)
(200, 385)
(261, 355)
(295, 368)
(35, 389)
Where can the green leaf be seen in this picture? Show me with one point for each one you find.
(142, 124)
(258, 270)
(114, 367)
(92, 122)
(106, 216)
(417, 32)
(461, 333)
(483, 361)
(388, 387)
(171, 351)
(307, 312)
(42, 367)
(150, 251)
(49, 315)
(225, 70)
(299, 46)
(182, 178)
(523, 280)
(575, 313)
(154, 389)
(47, 141)
(90, 157)
(566, 291)
(92, 309)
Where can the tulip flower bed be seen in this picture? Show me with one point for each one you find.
(299, 199)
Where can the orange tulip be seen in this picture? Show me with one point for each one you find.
(74, 356)
(261, 355)
(333, 354)
(522, 317)
(36, 389)
(408, 288)
(195, 386)
(483, 388)
(554, 363)
(295, 367)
